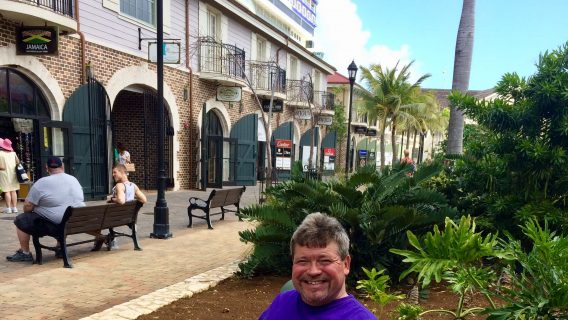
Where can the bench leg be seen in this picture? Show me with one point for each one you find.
(135, 237)
(37, 247)
(208, 218)
(239, 211)
(222, 213)
(66, 261)
(190, 218)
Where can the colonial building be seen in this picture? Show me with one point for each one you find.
(78, 77)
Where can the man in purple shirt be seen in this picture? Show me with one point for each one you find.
(320, 253)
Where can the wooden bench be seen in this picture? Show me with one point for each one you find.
(219, 198)
(87, 220)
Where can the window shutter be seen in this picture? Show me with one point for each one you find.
(253, 47)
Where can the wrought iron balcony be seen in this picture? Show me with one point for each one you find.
(220, 61)
(299, 93)
(265, 76)
(37, 12)
(324, 100)
(64, 7)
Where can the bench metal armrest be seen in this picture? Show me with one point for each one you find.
(198, 202)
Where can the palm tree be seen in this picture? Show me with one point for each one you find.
(462, 68)
(389, 99)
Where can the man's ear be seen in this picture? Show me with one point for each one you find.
(347, 265)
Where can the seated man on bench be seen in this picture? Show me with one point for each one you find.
(47, 199)
(122, 192)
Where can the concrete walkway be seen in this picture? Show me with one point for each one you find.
(101, 280)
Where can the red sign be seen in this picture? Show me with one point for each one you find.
(328, 151)
(286, 144)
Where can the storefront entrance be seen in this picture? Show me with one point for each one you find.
(25, 120)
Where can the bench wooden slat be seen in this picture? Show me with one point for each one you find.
(219, 199)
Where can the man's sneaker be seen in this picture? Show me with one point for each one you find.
(14, 210)
(20, 256)
(113, 245)
(7, 210)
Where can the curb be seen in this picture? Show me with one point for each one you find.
(159, 298)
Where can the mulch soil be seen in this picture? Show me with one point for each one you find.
(237, 298)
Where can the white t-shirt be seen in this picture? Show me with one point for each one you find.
(124, 158)
(52, 195)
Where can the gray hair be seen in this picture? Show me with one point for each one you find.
(317, 231)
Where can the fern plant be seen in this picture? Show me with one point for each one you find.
(455, 255)
(375, 287)
(376, 210)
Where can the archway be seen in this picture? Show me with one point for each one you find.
(305, 143)
(243, 148)
(25, 120)
(135, 124)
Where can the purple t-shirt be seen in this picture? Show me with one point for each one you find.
(289, 306)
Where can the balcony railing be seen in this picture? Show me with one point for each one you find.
(221, 58)
(266, 76)
(324, 100)
(299, 91)
(64, 7)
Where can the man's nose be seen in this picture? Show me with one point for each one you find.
(314, 268)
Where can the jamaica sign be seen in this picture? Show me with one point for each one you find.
(37, 40)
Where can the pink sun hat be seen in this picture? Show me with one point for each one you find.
(6, 144)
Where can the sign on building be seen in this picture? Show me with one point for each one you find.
(277, 105)
(283, 154)
(303, 114)
(37, 40)
(229, 94)
(325, 120)
(171, 52)
(329, 159)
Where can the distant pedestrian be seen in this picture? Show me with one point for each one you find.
(408, 161)
(8, 180)
(123, 155)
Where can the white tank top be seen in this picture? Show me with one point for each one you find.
(129, 191)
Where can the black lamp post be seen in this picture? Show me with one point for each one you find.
(161, 211)
(352, 74)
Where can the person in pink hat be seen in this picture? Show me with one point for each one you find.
(8, 180)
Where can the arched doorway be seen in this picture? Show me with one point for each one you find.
(243, 164)
(88, 110)
(305, 143)
(213, 150)
(283, 166)
(25, 119)
(328, 152)
(135, 124)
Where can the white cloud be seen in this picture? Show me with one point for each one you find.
(340, 34)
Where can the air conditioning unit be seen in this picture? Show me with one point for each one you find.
(319, 54)
(309, 44)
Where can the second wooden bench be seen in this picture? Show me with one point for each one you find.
(218, 198)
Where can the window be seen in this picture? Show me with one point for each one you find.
(294, 74)
(213, 25)
(20, 96)
(143, 10)
(317, 80)
(260, 49)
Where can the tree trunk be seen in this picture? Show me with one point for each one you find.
(414, 143)
(382, 137)
(401, 146)
(462, 68)
(407, 139)
(393, 142)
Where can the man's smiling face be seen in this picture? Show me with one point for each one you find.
(319, 274)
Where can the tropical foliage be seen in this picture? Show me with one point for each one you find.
(467, 261)
(391, 99)
(376, 210)
(515, 167)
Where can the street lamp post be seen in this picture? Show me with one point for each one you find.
(352, 69)
(161, 211)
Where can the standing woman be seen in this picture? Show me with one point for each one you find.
(8, 181)
(123, 155)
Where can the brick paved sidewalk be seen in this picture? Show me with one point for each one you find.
(100, 280)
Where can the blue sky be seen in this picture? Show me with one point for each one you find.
(509, 35)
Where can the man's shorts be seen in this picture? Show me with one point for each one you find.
(32, 223)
